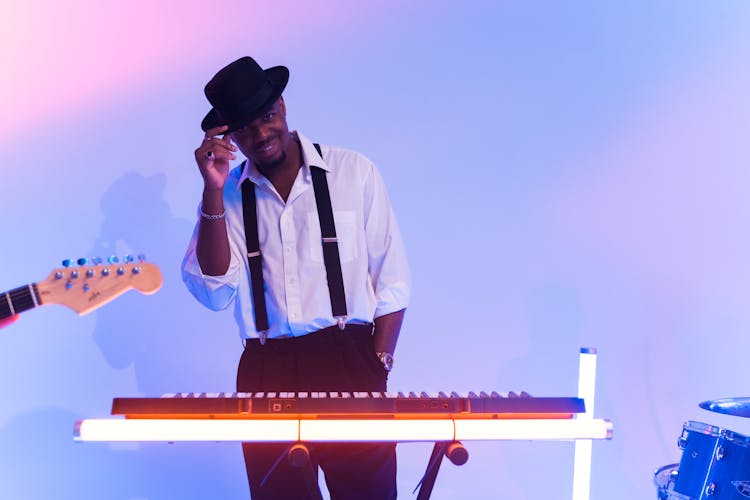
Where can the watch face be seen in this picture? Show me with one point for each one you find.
(387, 360)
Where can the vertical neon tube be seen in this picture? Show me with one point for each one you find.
(582, 457)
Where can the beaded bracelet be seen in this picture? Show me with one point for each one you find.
(212, 216)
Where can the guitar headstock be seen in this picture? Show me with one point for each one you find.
(87, 287)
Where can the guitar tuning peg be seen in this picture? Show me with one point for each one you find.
(128, 259)
(141, 257)
(67, 263)
(82, 261)
(113, 259)
(97, 260)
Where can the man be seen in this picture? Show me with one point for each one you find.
(304, 243)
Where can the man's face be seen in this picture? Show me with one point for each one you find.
(265, 140)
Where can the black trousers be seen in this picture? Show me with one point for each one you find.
(326, 360)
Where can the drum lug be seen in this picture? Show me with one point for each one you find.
(719, 453)
(710, 489)
(682, 442)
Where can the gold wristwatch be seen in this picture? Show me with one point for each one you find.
(387, 359)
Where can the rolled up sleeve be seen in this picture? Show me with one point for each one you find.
(387, 263)
(214, 292)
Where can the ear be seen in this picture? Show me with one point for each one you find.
(282, 106)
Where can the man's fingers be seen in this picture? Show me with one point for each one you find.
(219, 146)
(216, 131)
(216, 148)
(215, 152)
(223, 142)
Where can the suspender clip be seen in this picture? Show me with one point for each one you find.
(341, 321)
(331, 240)
(263, 335)
(253, 254)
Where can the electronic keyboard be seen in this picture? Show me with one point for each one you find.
(317, 404)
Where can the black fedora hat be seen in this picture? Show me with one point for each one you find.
(241, 91)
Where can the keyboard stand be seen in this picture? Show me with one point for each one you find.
(455, 452)
(298, 455)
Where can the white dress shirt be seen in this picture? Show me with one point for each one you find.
(373, 260)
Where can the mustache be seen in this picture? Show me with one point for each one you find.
(271, 164)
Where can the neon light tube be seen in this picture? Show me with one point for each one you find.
(582, 453)
(335, 430)
(376, 430)
(533, 429)
(186, 430)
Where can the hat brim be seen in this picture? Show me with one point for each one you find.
(278, 76)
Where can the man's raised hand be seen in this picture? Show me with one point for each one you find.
(213, 156)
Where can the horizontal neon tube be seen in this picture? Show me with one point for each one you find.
(340, 430)
(376, 430)
(520, 430)
(186, 430)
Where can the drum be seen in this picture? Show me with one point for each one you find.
(664, 479)
(715, 464)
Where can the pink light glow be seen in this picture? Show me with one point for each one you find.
(60, 56)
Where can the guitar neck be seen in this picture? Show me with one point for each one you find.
(19, 300)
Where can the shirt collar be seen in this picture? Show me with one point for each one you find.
(310, 158)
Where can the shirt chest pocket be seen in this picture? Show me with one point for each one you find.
(346, 233)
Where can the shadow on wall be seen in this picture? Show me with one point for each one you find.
(173, 343)
(53, 466)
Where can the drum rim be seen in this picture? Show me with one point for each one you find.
(718, 432)
(675, 466)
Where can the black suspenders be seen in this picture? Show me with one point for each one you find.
(254, 258)
(331, 258)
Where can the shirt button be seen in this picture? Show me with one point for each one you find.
(288, 249)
